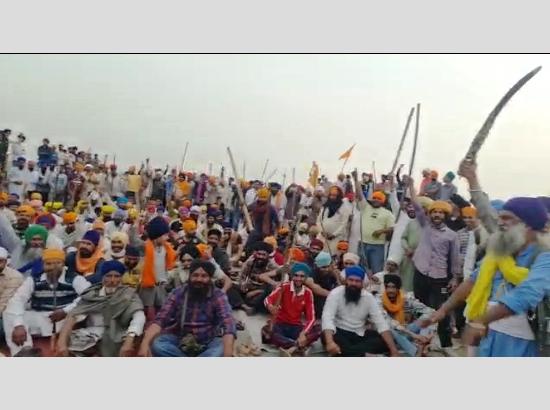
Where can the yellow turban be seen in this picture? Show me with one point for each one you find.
(469, 212)
(189, 225)
(441, 206)
(25, 210)
(271, 240)
(263, 194)
(98, 224)
(425, 202)
(107, 209)
(57, 205)
(36, 195)
(53, 255)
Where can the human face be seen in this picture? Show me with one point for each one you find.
(23, 221)
(298, 279)
(315, 250)
(437, 217)
(226, 234)
(70, 227)
(213, 241)
(111, 281)
(332, 196)
(471, 223)
(131, 261)
(86, 249)
(391, 291)
(411, 213)
(53, 268)
(199, 281)
(261, 256)
(376, 203)
(186, 261)
(117, 245)
(210, 220)
(37, 242)
(391, 267)
(507, 220)
(3, 263)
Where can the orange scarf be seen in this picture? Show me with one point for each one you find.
(148, 273)
(86, 266)
(397, 309)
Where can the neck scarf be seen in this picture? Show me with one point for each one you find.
(148, 274)
(395, 309)
(87, 266)
(333, 206)
(481, 292)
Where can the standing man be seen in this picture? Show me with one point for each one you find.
(436, 261)
(334, 218)
(377, 225)
(17, 177)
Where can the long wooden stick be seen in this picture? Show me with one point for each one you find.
(343, 165)
(416, 128)
(265, 170)
(247, 219)
(271, 175)
(184, 156)
(403, 137)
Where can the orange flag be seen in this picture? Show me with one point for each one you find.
(347, 154)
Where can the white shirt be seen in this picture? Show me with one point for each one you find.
(352, 316)
(17, 175)
(160, 265)
(250, 196)
(31, 178)
(17, 305)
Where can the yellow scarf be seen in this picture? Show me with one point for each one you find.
(397, 309)
(481, 292)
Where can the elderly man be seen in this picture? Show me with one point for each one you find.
(51, 296)
(511, 280)
(376, 226)
(87, 259)
(287, 304)
(437, 262)
(347, 312)
(10, 280)
(116, 224)
(196, 318)
(114, 315)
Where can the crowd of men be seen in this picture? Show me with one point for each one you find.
(156, 262)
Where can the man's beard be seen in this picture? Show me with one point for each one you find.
(352, 294)
(109, 290)
(131, 265)
(34, 253)
(85, 253)
(507, 243)
(198, 291)
(261, 263)
(22, 224)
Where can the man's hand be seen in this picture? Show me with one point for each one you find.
(61, 350)
(144, 351)
(379, 232)
(436, 317)
(19, 335)
(453, 284)
(333, 349)
(473, 333)
(57, 315)
(468, 169)
(274, 310)
(127, 348)
(302, 340)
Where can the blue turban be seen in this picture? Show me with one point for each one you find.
(323, 259)
(530, 210)
(92, 236)
(497, 204)
(356, 271)
(112, 265)
(300, 267)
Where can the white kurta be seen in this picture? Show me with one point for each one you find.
(336, 226)
(396, 250)
(35, 323)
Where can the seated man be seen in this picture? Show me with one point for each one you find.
(116, 252)
(403, 314)
(114, 316)
(376, 281)
(288, 303)
(252, 288)
(51, 295)
(10, 280)
(87, 260)
(325, 277)
(196, 318)
(348, 310)
(132, 262)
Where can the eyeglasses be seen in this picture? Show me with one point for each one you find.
(349, 264)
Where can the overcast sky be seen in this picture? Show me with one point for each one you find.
(292, 109)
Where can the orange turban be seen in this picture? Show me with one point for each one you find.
(69, 218)
(342, 246)
(187, 203)
(98, 224)
(271, 240)
(469, 212)
(335, 190)
(297, 255)
(379, 196)
(202, 247)
(189, 225)
(3, 196)
(53, 255)
(26, 210)
(283, 231)
(441, 206)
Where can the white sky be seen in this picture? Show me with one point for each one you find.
(292, 109)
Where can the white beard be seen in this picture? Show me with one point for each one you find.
(34, 253)
(508, 243)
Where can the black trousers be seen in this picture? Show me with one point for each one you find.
(353, 345)
(433, 293)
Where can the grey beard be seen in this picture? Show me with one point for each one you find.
(34, 253)
(507, 243)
